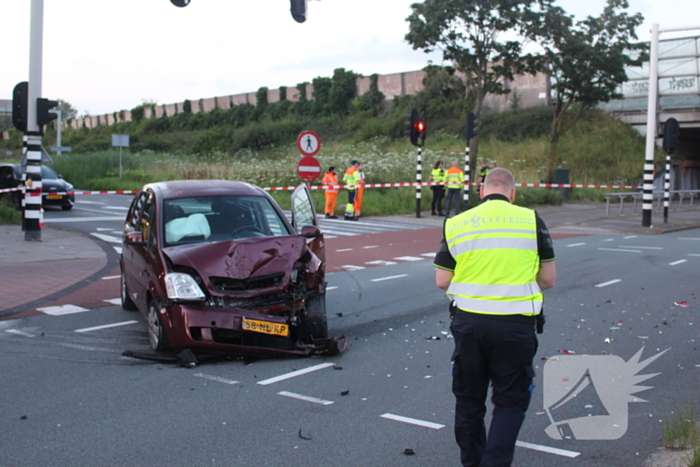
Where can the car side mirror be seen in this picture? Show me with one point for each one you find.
(310, 231)
(134, 238)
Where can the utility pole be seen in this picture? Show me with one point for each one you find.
(32, 219)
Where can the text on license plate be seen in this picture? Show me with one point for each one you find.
(52, 196)
(265, 327)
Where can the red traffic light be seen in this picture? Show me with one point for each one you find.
(420, 126)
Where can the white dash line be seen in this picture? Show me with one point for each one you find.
(429, 255)
(643, 247)
(351, 267)
(575, 244)
(380, 262)
(106, 326)
(629, 236)
(388, 278)
(106, 278)
(344, 249)
(218, 379)
(605, 284)
(680, 261)
(19, 333)
(620, 249)
(315, 400)
(693, 254)
(409, 258)
(295, 374)
(371, 246)
(538, 447)
(331, 288)
(412, 421)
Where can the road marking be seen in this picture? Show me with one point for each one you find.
(84, 219)
(118, 249)
(371, 246)
(429, 255)
(107, 238)
(331, 288)
(19, 333)
(106, 278)
(680, 261)
(409, 258)
(538, 447)
(106, 326)
(412, 421)
(380, 262)
(294, 374)
(114, 301)
(692, 254)
(690, 238)
(117, 208)
(629, 236)
(218, 379)
(618, 249)
(608, 239)
(605, 284)
(389, 278)
(643, 247)
(350, 267)
(344, 249)
(62, 310)
(105, 229)
(315, 400)
(575, 244)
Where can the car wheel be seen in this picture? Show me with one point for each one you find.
(156, 331)
(314, 323)
(67, 208)
(127, 302)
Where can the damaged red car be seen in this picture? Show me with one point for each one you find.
(216, 265)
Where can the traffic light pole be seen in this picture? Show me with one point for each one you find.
(419, 178)
(467, 176)
(667, 187)
(32, 215)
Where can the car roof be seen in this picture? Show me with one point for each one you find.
(187, 188)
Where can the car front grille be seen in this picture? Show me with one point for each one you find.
(227, 285)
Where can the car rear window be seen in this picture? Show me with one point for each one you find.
(218, 218)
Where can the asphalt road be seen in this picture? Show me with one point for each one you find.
(70, 398)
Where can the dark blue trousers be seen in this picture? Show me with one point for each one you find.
(456, 195)
(489, 350)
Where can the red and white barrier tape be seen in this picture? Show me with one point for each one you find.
(323, 187)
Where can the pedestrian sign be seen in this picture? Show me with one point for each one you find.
(308, 143)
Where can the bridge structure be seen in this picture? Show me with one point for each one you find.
(678, 97)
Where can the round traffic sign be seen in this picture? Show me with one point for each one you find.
(308, 143)
(308, 168)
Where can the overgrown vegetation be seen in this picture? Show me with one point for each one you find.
(682, 433)
(9, 215)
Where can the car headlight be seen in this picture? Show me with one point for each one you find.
(182, 287)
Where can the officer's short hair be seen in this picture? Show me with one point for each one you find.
(331, 168)
(499, 177)
(354, 162)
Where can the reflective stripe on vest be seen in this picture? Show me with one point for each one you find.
(438, 175)
(495, 247)
(331, 181)
(454, 178)
(350, 178)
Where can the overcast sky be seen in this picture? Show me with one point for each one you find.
(104, 56)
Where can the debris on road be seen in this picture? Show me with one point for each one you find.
(682, 304)
(304, 437)
(409, 452)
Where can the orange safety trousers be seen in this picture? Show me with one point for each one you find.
(331, 198)
(358, 200)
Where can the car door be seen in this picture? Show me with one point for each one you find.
(131, 262)
(305, 223)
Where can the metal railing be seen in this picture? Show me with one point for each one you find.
(658, 197)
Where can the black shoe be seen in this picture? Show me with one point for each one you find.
(433, 213)
(442, 214)
(333, 217)
(350, 218)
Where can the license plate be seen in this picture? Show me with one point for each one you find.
(265, 327)
(53, 196)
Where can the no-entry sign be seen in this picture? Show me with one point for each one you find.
(308, 143)
(309, 169)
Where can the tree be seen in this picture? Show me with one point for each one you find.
(469, 34)
(68, 112)
(586, 61)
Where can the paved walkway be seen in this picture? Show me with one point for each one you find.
(30, 271)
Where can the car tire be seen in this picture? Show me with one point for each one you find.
(127, 303)
(314, 323)
(157, 335)
(67, 208)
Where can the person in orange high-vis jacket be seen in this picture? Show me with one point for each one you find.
(330, 180)
(360, 178)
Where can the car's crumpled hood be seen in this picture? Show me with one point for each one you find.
(240, 259)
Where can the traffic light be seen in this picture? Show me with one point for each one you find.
(43, 116)
(672, 135)
(472, 125)
(298, 9)
(415, 128)
(180, 3)
(19, 106)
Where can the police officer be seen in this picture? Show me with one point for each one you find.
(494, 262)
(437, 175)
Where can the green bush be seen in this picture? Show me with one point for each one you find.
(9, 215)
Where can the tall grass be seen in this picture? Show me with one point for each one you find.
(9, 215)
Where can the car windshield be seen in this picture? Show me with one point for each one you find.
(218, 218)
(48, 173)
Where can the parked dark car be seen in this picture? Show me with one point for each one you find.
(215, 264)
(54, 188)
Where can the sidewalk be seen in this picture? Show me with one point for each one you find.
(30, 271)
